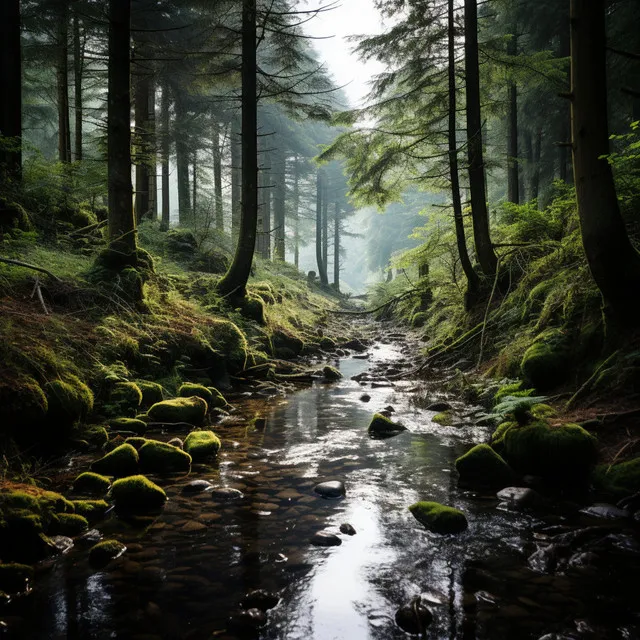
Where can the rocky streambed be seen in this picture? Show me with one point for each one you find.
(301, 529)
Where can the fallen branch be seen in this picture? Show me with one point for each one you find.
(38, 291)
(88, 229)
(406, 294)
(587, 385)
(18, 263)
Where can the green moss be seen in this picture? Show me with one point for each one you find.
(122, 461)
(137, 493)
(481, 466)
(252, 308)
(69, 401)
(159, 457)
(14, 577)
(382, 426)
(91, 484)
(128, 424)
(331, 373)
(619, 479)
(152, 392)
(125, 399)
(22, 403)
(191, 410)
(92, 510)
(189, 389)
(566, 452)
(542, 412)
(497, 439)
(136, 442)
(95, 435)
(445, 418)
(105, 551)
(545, 364)
(201, 444)
(439, 518)
(71, 524)
(229, 341)
(419, 319)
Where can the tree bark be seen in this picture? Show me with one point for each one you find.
(336, 247)
(78, 66)
(122, 228)
(11, 77)
(279, 201)
(152, 145)
(614, 263)
(322, 266)
(235, 280)
(217, 177)
(62, 81)
(165, 153)
(535, 173)
(564, 157)
(182, 165)
(236, 179)
(325, 227)
(295, 205)
(264, 208)
(141, 118)
(513, 181)
(484, 249)
(473, 282)
(194, 188)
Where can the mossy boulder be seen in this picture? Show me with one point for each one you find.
(92, 510)
(419, 319)
(286, 344)
(125, 399)
(202, 444)
(439, 518)
(128, 424)
(122, 461)
(481, 466)
(152, 392)
(381, 427)
(213, 398)
(619, 479)
(69, 401)
(105, 551)
(159, 457)
(191, 410)
(137, 493)
(545, 364)
(95, 435)
(564, 453)
(444, 418)
(71, 524)
(91, 484)
(22, 403)
(15, 577)
(331, 374)
(252, 307)
(136, 442)
(497, 438)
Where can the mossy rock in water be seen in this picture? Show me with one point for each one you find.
(95, 435)
(191, 410)
(92, 510)
(159, 457)
(382, 427)
(445, 418)
(202, 444)
(419, 319)
(125, 399)
(331, 374)
(69, 401)
(128, 424)
(71, 524)
(545, 364)
(481, 466)
(136, 442)
(620, 479)
(213, 398)
(152, 392)
(91, 484)
(439, 518)
(105, 551)
(137, 493)
(15, 577)
(23, 403)
(122, 461)
(564, 453)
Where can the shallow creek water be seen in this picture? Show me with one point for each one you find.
(183, 575)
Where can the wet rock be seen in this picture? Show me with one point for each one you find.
(246, 622)
(365, 397)
(197, 486)
(62, 543)
(192, 527)
(390, 409)
(361, 356)
(381, 385)
(354, 345)
(583, 560)
(226, 494)
(630, 503)
(381, 427)
(439, 406)
(106, 551)
(605, 511)
(414, 617)
(519, 498)
(439, 518)
(89, 538)
(331, 374)
(260, 599)
(481, 466)
(176, 442)
(550, 558)
(393, 371)
(330, 489)
(347, 529)
(325, 539)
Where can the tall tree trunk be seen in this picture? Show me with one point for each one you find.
(182, 165)
(513, 180)
(295, 205)
(236, 179)
(141, 118)
(325, 226)
(484, 249)
(564, 157)
(11, 78)
(62, 81)
(165, 153)
(322, 266)
(217, 177)
(535, 172)
(194, 188)
(279, 201)
(336, 247)
(264, 208)
(235, 280)
(78, 65)
(152, 154)
(122, 228)
(614, 263)
(473, 282)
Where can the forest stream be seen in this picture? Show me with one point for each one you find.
(511, 574)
